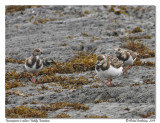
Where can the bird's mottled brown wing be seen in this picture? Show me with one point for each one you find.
(30, 61)
(109, 57)
(133, 54)
(115, 62)
(39, 63)
(106, 65)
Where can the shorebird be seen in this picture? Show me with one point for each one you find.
(108, 67)
(126, 56)
(34, 64)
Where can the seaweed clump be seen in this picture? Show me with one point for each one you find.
(14, 84)
(42, 20)
(138, 62)
(14, 75)
(68, 37)
(95, 116)
(63, 115)
(86, 12)
(119, 10)
(148, 81)
(61, 105)
(94, 86)
(148, 63)
(66, 82)
(81, 62)
(95, 38)
(142, 50)
(10, 9)
(43, 87)
(15, 92)
(99, 101)
(85, 34)
(34, 102)
(21, 61)
(133, 38)
(25, 112)
(136, 30)
(135, 84)
(147, 115)
(127, 109)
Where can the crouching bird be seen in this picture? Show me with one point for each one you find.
(126, 56)
(108, 67)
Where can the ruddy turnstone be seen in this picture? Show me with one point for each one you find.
(108, 67)
(34, 64)
(126, 56)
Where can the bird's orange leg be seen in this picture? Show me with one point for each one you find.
(35, 78)
(126, 69)
(109, 81)
(32, 79)
(129, 67)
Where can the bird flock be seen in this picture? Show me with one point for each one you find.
(107, 66)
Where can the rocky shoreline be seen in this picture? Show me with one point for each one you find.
(62, 32)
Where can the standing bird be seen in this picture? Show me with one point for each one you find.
(34, 64)
(108, 67)
(126, 56)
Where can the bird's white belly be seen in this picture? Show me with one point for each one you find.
(129, 61)
(33, 69)
(110, 73)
